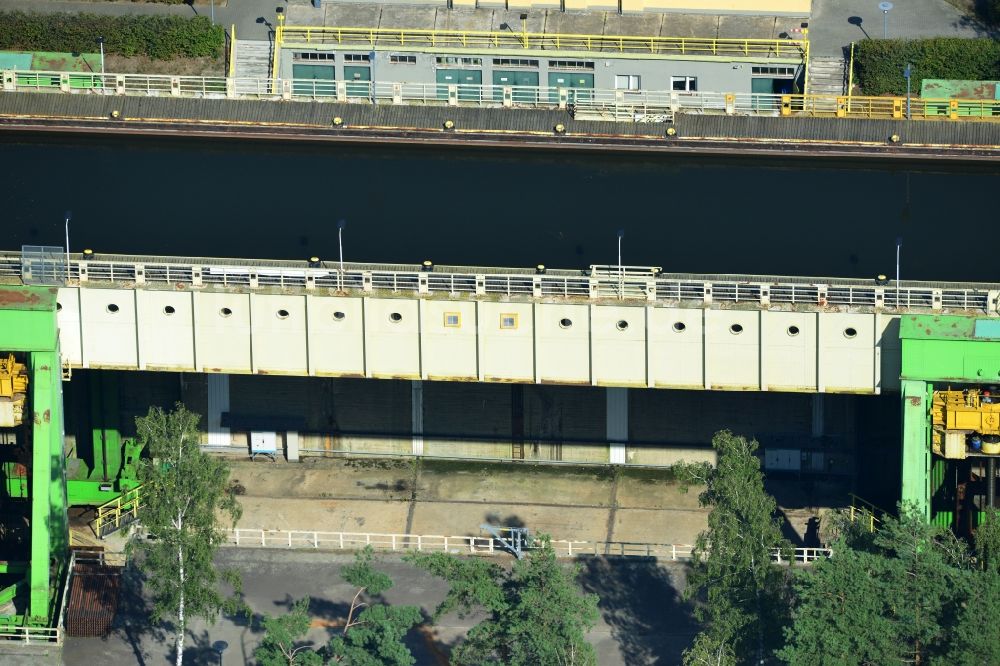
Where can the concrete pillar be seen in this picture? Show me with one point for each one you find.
(817, 415)
(218, 402)
(417, 416)
(617, 424)
(292, 446)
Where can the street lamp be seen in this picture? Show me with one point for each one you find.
(100, 42)
(907, 73)
(885, 7)
(69, 215)
(899, 247)
(621, 271)
(340, 241)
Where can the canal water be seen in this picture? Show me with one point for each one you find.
(500, 207)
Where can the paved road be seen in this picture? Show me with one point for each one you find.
(643, 621)
(835, 24)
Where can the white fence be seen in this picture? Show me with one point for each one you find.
(471, 545)
(633, 283)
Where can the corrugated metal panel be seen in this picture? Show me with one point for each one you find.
(218, 402)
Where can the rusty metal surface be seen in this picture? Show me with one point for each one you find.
(93, 599)
(949, 89)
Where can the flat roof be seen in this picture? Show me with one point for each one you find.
(957, 89)
(551, 21)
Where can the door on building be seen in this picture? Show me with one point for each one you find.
(764, 90)
(464, 78)
(314, 80)
(357, 77)
(522, 80)
(579, 84)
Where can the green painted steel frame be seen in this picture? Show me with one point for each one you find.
(28, 325)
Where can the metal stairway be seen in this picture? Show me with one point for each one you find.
(253, 63)
(827, 77)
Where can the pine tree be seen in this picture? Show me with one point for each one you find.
(184, 493)
(744, 593)
(283, 643)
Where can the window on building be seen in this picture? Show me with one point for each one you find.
(571, 64)
(455, 60)
(357, 57)
(773, 71)
(452, 319)
(685, 83)
(627, 82)
(508, 320)
(515, 62)
(312, 55)
(402, 59)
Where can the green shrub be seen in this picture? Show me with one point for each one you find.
(879, 63)
(159, 37)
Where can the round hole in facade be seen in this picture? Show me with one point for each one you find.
(225, 312)
(339, 316)
(112, 308)
(282, 314)
(850, 332)
(58, 307)
(621, 325)
(565, 323)
(793, 331)
(679, 327)
(736, 329)
(169, 310)
(395, 317)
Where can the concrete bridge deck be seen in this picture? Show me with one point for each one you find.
(634, 327)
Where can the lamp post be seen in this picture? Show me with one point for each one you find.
(100, 42)
(885, 7)
(907, 73)
(69, 215)
(213, 12)
(340, 241)
(371, 65)
(899, 247)
(621, 271)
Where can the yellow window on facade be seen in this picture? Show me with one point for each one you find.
(453, 319)
(508, 321)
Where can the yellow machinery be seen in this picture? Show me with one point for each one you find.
(13, 391)
(964, 422)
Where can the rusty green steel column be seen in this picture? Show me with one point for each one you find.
(916, 446)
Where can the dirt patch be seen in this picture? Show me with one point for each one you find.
(177, 67)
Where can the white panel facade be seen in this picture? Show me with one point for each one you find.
(619, 345)
(222, 332)
(166, 329)
(68, 320)
(733, 343)
(392, 337)
(448, 339)
(789, 351)
(890, 351)
(108, 331)
(676, 347)
(562, 343)
(278, 341)
(847, 361)
(336, 336)
(506, 342)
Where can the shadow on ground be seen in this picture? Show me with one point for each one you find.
(639, 601)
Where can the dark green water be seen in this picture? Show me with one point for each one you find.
(778, 216)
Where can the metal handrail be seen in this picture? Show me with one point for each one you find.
(470, 39)
(591, 103)
(474, 545)
(486, 282)
(118, 512)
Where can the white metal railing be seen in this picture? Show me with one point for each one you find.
(32, 635)
(637, 284)
(472, 545)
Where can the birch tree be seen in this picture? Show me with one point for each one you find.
(744, 594)
(184, 495)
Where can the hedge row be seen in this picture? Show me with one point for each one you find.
(159, 37)
(879, 63)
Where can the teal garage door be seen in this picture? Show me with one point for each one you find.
(578, 83)
(516, 78)
(314, 79)
(357, 77)
(460, 77)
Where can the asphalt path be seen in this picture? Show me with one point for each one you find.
(642, 621)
